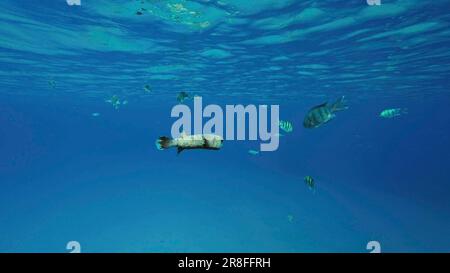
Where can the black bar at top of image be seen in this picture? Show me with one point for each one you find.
(206, 262)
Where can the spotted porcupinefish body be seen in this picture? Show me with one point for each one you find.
(190, 142)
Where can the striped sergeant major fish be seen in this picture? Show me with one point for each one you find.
(309, 181)
(286, 126)
(182, 96)
(392, 113)
(323, 113)
(190, 142)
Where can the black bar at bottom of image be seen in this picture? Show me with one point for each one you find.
(206, 262)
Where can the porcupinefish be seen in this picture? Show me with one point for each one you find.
(190, 142)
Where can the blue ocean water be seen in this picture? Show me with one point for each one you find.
(74, 168)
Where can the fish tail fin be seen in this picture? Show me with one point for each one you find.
(163, 143)
(339, 105)
(405, 111)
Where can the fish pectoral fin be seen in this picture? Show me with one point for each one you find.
(179, 150)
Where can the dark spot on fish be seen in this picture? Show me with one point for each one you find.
(205, 142)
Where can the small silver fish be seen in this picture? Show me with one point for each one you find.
(115, 101)
(52, 83)
(290, 218)
(147, 88)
